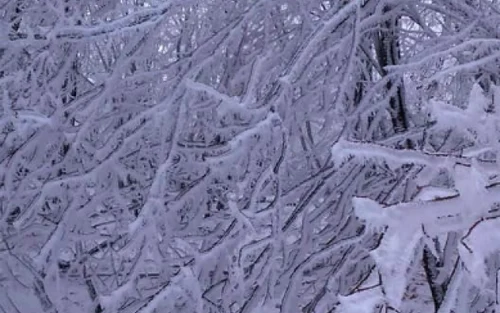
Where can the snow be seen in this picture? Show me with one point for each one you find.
(434, 212)
(430, 193)
(482, 240)
(298, 105)
(361, 302)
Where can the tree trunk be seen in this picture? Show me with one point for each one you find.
(388, 53)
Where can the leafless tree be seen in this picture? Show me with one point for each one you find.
(249, 156)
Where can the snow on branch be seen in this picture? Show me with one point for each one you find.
(365, 150)
(407, 225)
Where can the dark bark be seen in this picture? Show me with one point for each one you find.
(389, 53)
(431, 268)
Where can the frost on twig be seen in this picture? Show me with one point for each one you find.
(176, 156)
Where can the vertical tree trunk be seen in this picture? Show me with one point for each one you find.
(388, 53)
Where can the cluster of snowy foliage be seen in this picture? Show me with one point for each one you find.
(249, 156)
